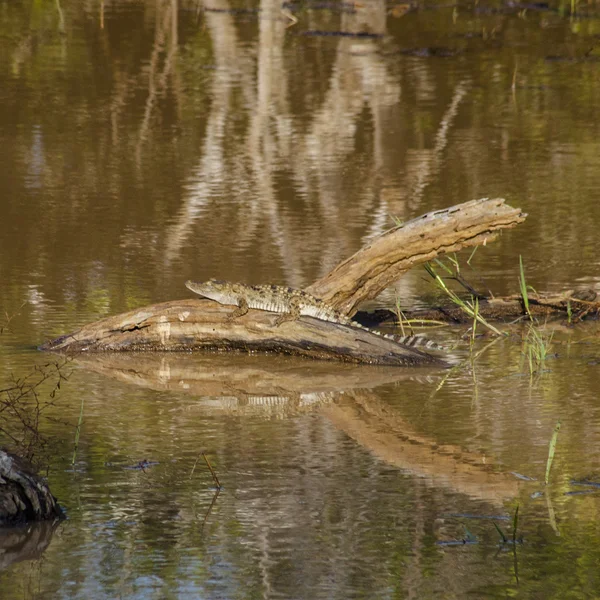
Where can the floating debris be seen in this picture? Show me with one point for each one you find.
(140, 466)
(352, 34)
(595, 484)
(339, 7)
(456, 542)
(523, 477)
(431, 51)
(472, 516)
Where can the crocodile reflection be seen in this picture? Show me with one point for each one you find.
(343, 394)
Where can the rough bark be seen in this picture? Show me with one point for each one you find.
(367, 273)
(205, 325)
(23, 495)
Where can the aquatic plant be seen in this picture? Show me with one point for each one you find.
(536, 346)
(23, 404)
(524, 288)
(551, 449)
(467, 307)
(402, 318)
(77, 432)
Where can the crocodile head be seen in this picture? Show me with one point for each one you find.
(223, 292)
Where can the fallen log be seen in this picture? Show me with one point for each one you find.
(24, 496)
(185, 325)
(574, 305)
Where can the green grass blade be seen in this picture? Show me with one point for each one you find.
(523, 287)
(475, 302)
(504, 540)
(551, 450)
(444, 266)
(465, 307)
(77, 432)
(472, 255)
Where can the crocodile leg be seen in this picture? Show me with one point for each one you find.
(292, 315)
(240, 311)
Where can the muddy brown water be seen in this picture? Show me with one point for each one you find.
(147, 143)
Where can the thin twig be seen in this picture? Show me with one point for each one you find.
(212, 472)
(194, 467)
(216, 495)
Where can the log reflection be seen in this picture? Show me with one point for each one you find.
(342, 393)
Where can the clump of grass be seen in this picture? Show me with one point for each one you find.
(537, 341)
(466, 306)
(407, 324)
(537, 344)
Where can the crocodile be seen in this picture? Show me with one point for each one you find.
(290, 303)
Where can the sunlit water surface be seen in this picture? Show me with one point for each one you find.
(145, 143)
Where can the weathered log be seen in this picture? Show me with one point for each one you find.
(580, 304)
(23, 495)
(367, 273)
(205, 325)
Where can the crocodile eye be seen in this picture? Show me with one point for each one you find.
(274, 287)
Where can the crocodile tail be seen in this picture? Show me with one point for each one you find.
(417, 340)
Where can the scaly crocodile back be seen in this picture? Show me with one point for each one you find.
(280, 299)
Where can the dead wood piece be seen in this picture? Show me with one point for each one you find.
(205, 325)
(367, 273)
(23, 495)
(542, 305)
